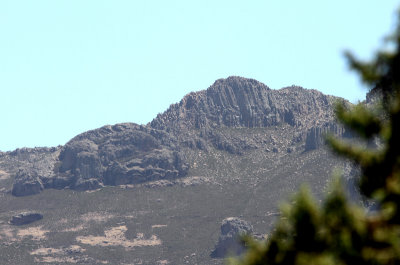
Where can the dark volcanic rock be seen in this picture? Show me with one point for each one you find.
(316, 135)
(57, 182)
(25, 218)
(229, 242)
(120, 154)
(27, 182)
(238, 102)
(241, 102)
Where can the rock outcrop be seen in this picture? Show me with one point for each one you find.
(25, 218)
(241, 102)
(120, 154)
(315, 137)
(238, 102)
(229, 242)
(216, 118)
(27, 182)
(31, 168)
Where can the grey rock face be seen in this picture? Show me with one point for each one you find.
(238, 102)
(120, 154)
(229, 242)
(315, 137)
(25, 218)
(241, 102)
(31, 168)
(27, 182)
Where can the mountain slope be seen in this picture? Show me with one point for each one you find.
(235, 149)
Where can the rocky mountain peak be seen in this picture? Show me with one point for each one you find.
(236, 84)
(240, 102)
(129, 153)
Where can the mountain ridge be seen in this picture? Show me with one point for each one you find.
(128, 153)
(248, 97)
(207, 158)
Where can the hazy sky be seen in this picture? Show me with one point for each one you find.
(70, 66)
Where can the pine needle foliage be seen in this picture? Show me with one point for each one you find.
(337, 232)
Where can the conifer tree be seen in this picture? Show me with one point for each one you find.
(337, 232)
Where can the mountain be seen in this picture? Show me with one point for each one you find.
(235, 149)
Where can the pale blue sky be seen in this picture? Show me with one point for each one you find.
(70, 66)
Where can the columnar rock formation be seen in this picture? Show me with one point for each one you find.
(240, 102)
(129, 153)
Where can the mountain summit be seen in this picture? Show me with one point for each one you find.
(240, 102)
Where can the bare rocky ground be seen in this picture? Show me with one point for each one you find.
(157, 194)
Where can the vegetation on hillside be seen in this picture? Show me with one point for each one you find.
(337, 231)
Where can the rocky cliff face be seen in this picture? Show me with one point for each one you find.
(120, 154)
(27, 168)
(238, 102)
(210, 119)
(241, 102)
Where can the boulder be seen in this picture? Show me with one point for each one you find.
(25, 218)
(229, 242)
